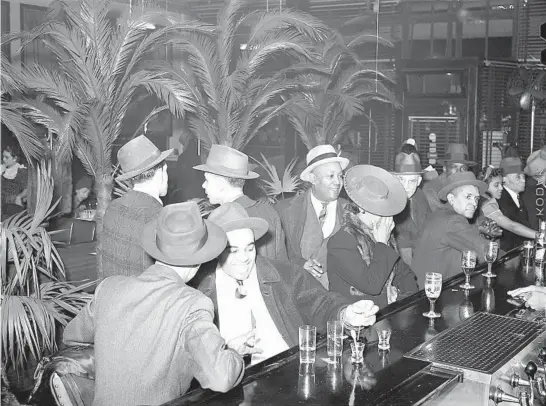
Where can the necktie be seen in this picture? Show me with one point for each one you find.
(322, 215)
(240, 291)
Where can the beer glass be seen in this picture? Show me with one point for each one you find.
(468, 263)
(490, 252)
(433, 288)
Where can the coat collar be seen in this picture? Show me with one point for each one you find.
(245, 201)
(163, 272)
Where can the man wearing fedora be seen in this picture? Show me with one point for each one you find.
(152, 333)
(510, 202)
(447, 231)
(534, 195)
(455, 160)
(409, 222)
(144, 165)
(226, 171)
(310, 218)
(269, 298)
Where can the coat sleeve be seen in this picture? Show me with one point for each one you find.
(316, 305)
(218, 368)
(344, 259)
(432, 196)
(81, 329)
(463, 236)
(292, 253)
(405, 280)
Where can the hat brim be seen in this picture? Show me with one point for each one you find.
(344, 162)
(482, 186)
(213, 247)
(457, 161)
(408, 173)
(256, 224)
(226, 173)
(396, 199)
(131, 174)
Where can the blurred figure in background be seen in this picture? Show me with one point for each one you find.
(83, 196)
(14, 182)
(409, 222)
(187, 181)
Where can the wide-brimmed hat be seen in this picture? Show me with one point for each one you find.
(180, 236)
(407, 164)
(139, 155)
(226, 161)
(461, 179)
(456, 154)
(510, 165)
(536, 163)
(232, 216)
(375, 190)
(320, 155)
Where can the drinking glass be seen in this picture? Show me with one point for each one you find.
(335, 338)
(468, 263)
(490, 252)
(384, 339)
(308, 344)
(357, 352)
(527, 251)
(433, 288)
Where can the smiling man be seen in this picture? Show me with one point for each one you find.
(311, 218)
(447, 232)
(260, 303)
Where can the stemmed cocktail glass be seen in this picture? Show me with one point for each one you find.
(468, 263)
(490, 251)
(433, 288)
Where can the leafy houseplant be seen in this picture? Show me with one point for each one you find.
(35, 297)
(99, 68)
(236, 94)
(337, 91)
(276, 187)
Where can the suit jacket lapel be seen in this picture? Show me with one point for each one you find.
(299, 210)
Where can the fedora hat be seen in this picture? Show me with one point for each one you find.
(226, 161)
(536, 163)
(375, 190)
(407, 164)
(180, 236)
(320, 155)
(510, 165)
(139, 155)
(232, 216)
(457, 154)
(461, 179)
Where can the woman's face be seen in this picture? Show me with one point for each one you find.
(8, 160)
(495, 187)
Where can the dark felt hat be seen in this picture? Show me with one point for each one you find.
(232, 216)
(461, 179)
(457, 154)
(226, 161)
(139, 155)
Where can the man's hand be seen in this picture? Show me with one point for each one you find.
(244, 344)
(534, 296)
(19, 201)
(313, 267)
(361, 313)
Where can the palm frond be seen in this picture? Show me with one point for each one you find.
(274, 186)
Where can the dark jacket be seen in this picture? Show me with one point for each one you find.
(534, 200)
(509, 208)
(346, 268)
(293, 213)
(292, 296)
(124, 220)
(410, 222)
(445, 236)
(431, 189)
(273, 244)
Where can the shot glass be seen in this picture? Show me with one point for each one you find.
(357, 352)
(335, 338)
(384, 339)
(308, 344)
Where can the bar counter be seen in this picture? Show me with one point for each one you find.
(282, 381)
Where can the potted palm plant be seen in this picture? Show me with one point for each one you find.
(276, 188)
(36, 299)
(337, 91)
(236, 94)
(99, 68)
